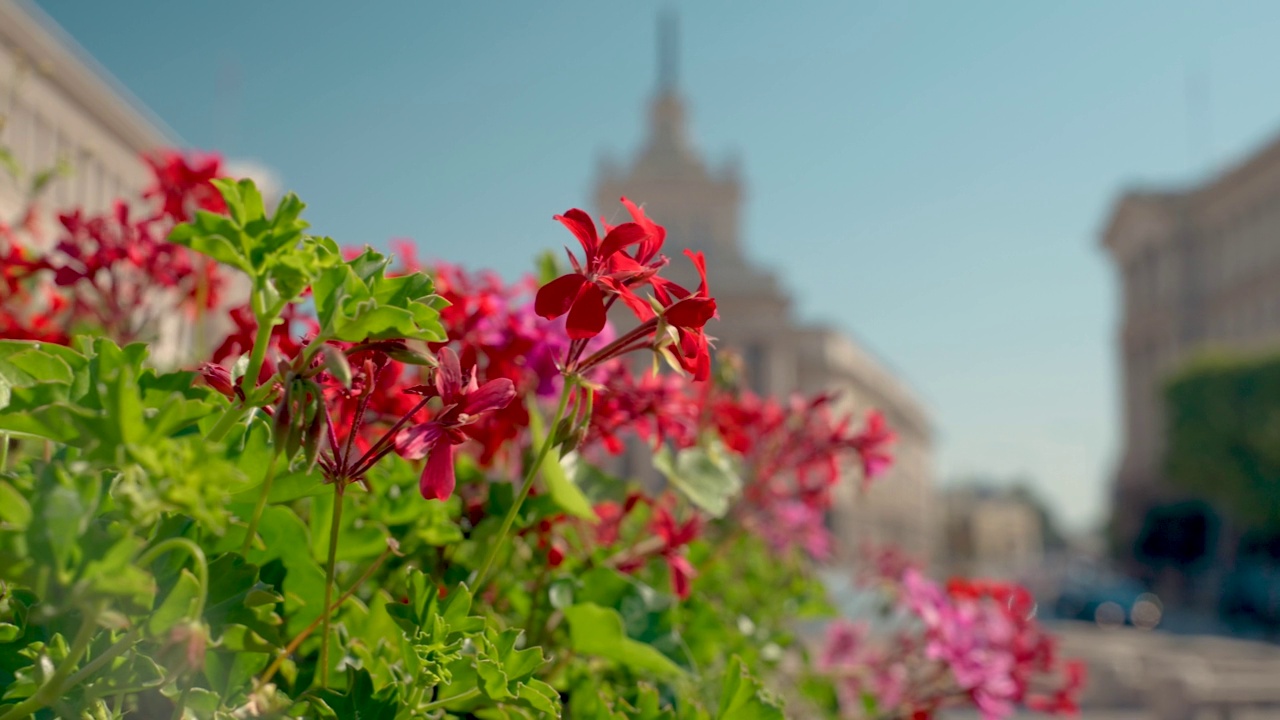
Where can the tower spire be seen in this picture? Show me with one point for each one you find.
(668, 51)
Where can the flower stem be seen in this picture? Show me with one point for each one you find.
(111, 653)
(456, 698)
(306, 632)
(249, 383)
(261, 341)
(4, 451)
(328, 582)
(262, 504)
(529, 475)
(229, 418)
(198, 562)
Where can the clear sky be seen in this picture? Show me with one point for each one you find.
(932, 176)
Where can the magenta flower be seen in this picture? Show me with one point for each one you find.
(463, 403)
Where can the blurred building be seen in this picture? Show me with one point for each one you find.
(990, 532)
(61, 111)
(701, 208)
(59, 106)
(1197, 269)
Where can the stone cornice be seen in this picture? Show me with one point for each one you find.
(61, 62)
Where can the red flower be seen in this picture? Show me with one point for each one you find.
(688, 314)
(463, 403)
(606, 272)
(675, 537)
(183, 184)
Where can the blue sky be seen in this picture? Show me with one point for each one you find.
(930, 175)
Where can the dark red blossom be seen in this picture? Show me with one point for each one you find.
(182, 184)
(604, 272)
(675, 537)
(464, 400)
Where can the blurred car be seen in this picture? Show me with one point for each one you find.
(1101, 598)
(1250, 598)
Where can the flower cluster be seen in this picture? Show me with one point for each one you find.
(113, 271)
(973, 643)
(672, 320)
(792, 453)
(506, 406)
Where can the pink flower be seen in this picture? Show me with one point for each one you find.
(462, 405)
(872, 445)
(790, 523)
(845, 643)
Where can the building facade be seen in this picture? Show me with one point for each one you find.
(1197, 270)
(990, 533)
(701, 209)
(59, 107)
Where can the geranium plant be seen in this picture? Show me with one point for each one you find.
(391, 491)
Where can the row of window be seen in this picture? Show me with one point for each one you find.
(38, 144)
(1242, 251)
(1150, 276)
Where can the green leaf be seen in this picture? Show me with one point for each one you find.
(177, 606)
(360, 700)
(355, 301)
(26, 365)
(14, 508)
(202, 703)
(599, 631)
(704, 475)
(232, 582)
(744, 698)
(562, 489)
(286, 539)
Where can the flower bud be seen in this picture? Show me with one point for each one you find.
(282, 418)
(218, 378)
(335, 361)
(293, 441)
(563, 431)
(314, 434)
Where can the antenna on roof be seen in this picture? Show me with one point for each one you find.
(1199, 119)
(668, 51)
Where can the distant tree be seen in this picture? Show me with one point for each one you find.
(1223, 437)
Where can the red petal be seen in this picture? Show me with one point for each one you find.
(438, 480)
(492, 395)
(448, 375)
(682, 573)
(700, 263)
(587, 317)
(556, 297)
(638, 305)
(579, 223)
(415, 442)
(622, 236)
(691, 312)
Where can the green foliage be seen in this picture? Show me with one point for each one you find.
(160, 556)
(744, 698)
(704, 474)
(560, 485)
(355, 301)
(1224, 435)
(274, 251)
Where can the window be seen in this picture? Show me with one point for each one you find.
(756, 362)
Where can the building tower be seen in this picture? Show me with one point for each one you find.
(701, 207)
